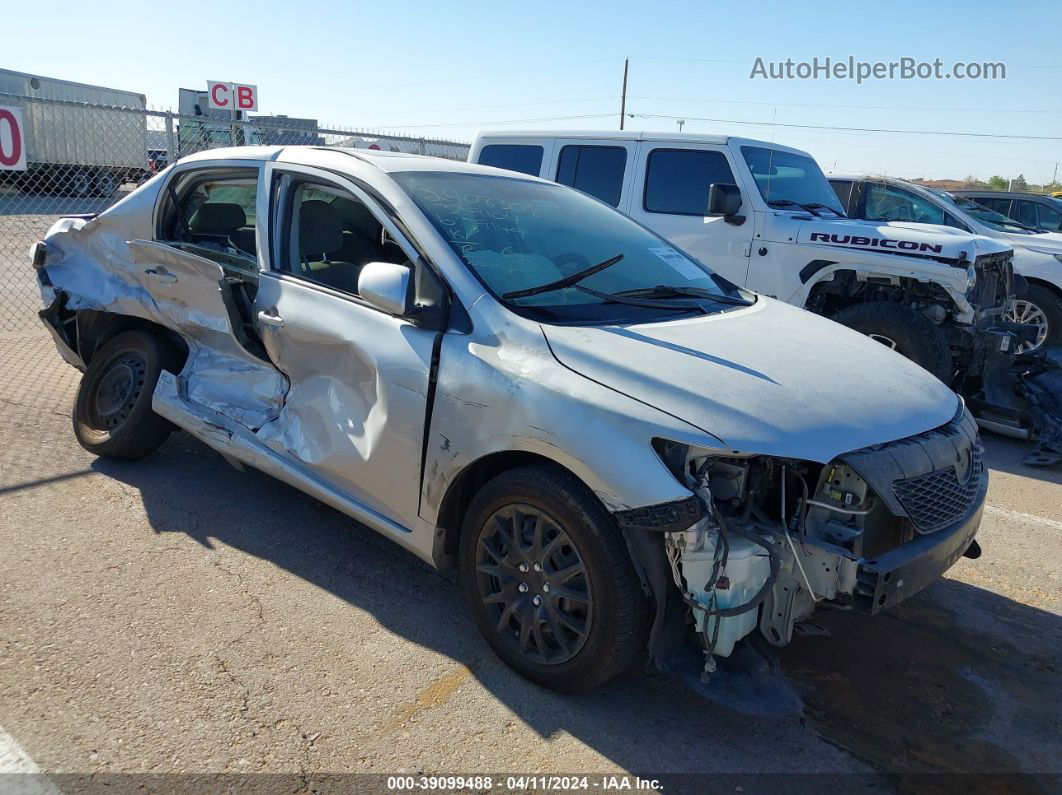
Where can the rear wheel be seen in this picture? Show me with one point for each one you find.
(104, 184)
(1040, 307)
(549, 580)
(903, 329)
(112, 410)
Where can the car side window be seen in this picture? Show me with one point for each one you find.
(843, 189)
(597, 170)
(886, 203)
(331, 235)
(1001, 206)
(214, 215)
(677, 180)
(1049, 219)
(1025, 213)
(951, 220)
(525, 158)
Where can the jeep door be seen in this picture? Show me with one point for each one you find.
(670, 196)
(354, 413)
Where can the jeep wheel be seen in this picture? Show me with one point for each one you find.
(549, 580)
(1040, 307)
(112, 410)
(903, 329)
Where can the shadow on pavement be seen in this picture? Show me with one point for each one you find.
(1005, 454)
(911, 692)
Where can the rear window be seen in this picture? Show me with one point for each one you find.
(597, 170)
(525, 158)
(677, 180)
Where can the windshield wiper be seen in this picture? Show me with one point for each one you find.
(667, 291)
(819, 206)
(560, 284)
(789, 203)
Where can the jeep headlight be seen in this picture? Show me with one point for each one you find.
(971, 278)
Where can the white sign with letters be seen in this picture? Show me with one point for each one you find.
(231, 96)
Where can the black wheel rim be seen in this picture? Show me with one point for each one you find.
(534, 584)
(117, 390)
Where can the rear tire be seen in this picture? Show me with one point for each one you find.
(112, 411)
(549, 580)
(903, 329)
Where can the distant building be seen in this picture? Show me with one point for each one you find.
(944, 184)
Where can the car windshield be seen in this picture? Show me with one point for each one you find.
(517, 234)
(989, 218)
(788, 179)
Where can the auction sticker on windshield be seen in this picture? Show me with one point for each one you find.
(679, 262)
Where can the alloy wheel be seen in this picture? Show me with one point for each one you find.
(1028, 313)
(534, 584)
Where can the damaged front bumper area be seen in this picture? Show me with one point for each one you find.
(777, 537)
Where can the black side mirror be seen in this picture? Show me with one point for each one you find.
(725, 200)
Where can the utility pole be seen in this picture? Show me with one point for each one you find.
(680, 123)
(623, 97)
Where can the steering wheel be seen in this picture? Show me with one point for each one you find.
(571, 256)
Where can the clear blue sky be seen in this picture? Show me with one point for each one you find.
(449, 69)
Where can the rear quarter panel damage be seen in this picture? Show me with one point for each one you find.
(109, 264)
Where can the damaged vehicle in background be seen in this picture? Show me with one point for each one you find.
(611, 441)
(1020, 390)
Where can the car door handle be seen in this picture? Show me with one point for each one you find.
(270, 320)
(161, 274)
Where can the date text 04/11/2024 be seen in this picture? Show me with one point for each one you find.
(522, 783)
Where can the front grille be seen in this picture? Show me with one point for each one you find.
(995, 277)
(938, 498)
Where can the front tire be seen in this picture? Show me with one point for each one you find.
(905, 330)
(112, 411)
(549, 580)
(1041, 307)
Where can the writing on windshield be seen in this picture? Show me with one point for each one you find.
(518, 236)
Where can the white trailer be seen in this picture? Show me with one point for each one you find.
(80, 139)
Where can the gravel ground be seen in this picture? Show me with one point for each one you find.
(175, 616)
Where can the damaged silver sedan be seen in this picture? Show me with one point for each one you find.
(614, 444)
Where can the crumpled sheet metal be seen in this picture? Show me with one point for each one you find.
(503, 393)
(97, 267)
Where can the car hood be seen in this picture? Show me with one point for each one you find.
(770, 379)
(1048, 241)
(898, 237)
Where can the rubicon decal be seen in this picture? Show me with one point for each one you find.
(876, 242)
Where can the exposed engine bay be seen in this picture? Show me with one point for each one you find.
(777, 537)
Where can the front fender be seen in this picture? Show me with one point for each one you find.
(1038, 265)
(487, 403)
(822, 265)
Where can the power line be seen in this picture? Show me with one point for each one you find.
(503, 74)
(498, 121)
(848, 107)
(849, 129)
(508, 105)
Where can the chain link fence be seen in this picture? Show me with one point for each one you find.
(83, 157)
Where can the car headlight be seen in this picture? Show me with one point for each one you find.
(971, 278)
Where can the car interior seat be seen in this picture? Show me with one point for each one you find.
(223, 224)
(321, 242)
